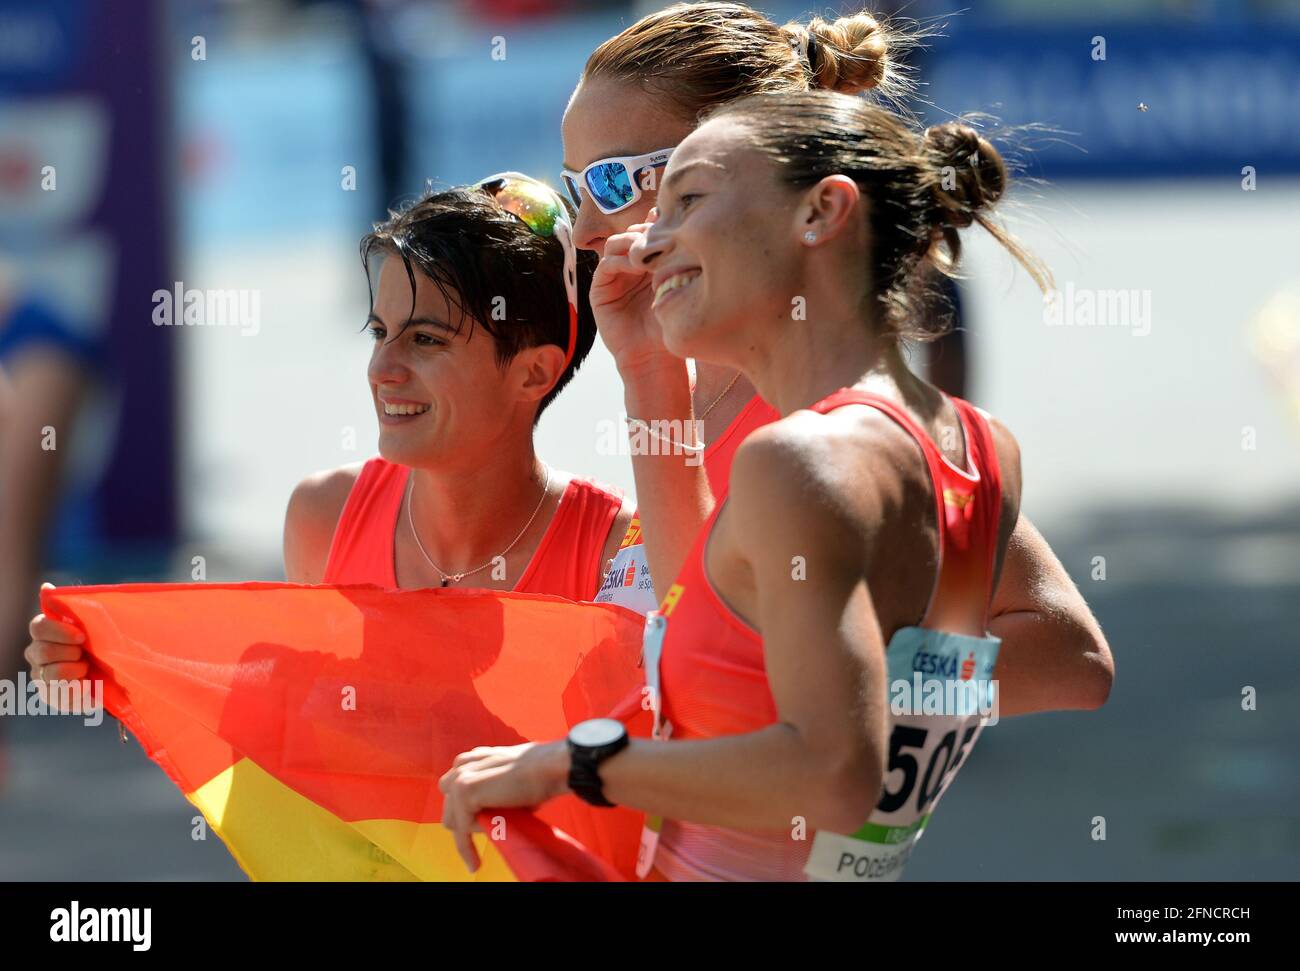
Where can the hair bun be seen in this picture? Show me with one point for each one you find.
(969, 173)
(848, 55)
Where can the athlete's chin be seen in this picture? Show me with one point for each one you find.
(675, 344)
(691, 338)
(682, 333)
(402, 447)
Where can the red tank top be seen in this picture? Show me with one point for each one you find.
(713, 676)
(567, 563)
(719, 453)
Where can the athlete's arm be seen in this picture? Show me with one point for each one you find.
(1054, 655)
(672, 489)
(822, 761)
(314, 509)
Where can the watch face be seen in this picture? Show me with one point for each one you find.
(596, 732)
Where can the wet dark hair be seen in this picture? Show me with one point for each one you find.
(474, 252)
(921, 188)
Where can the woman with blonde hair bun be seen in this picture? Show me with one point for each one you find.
(640, 94)
(847, 577)
(872, 530)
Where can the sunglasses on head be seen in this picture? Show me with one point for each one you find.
(614, 183)
(540, 207)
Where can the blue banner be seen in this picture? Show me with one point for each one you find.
(1129, 101)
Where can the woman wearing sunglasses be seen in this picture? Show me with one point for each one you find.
(478, 323)
(777, 686)
(641, 93)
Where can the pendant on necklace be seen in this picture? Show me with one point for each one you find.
(444, 581)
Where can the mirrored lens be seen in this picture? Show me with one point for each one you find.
(530, 201)
(610, 185)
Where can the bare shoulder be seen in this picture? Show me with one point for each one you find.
(851, 454)
(322, 495)
(1008, 450)
(846, 472)
(310, 519)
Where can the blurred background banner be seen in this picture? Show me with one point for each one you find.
(85, 237)
(1153, 99)
(244, 146)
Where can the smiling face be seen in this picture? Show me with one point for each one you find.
(612, 119)
(724, 254)
(438, 395)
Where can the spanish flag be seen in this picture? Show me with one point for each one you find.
(310, 724)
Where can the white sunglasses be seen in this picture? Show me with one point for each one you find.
(612, 183)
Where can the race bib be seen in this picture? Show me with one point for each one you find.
(941, 695)
(628, 582)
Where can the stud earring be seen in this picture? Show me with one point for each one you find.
(810, 236)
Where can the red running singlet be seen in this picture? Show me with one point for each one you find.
(714, 681)
(719, 453)
(567, 563)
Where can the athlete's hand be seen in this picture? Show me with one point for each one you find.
(499, 778)
(621, 298)
(55, 653)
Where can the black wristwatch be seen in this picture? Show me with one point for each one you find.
(590, 743)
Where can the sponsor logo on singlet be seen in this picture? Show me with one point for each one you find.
(633, 535)
(959, 499)
(673, 595)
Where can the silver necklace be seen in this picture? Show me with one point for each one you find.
(457, 577)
